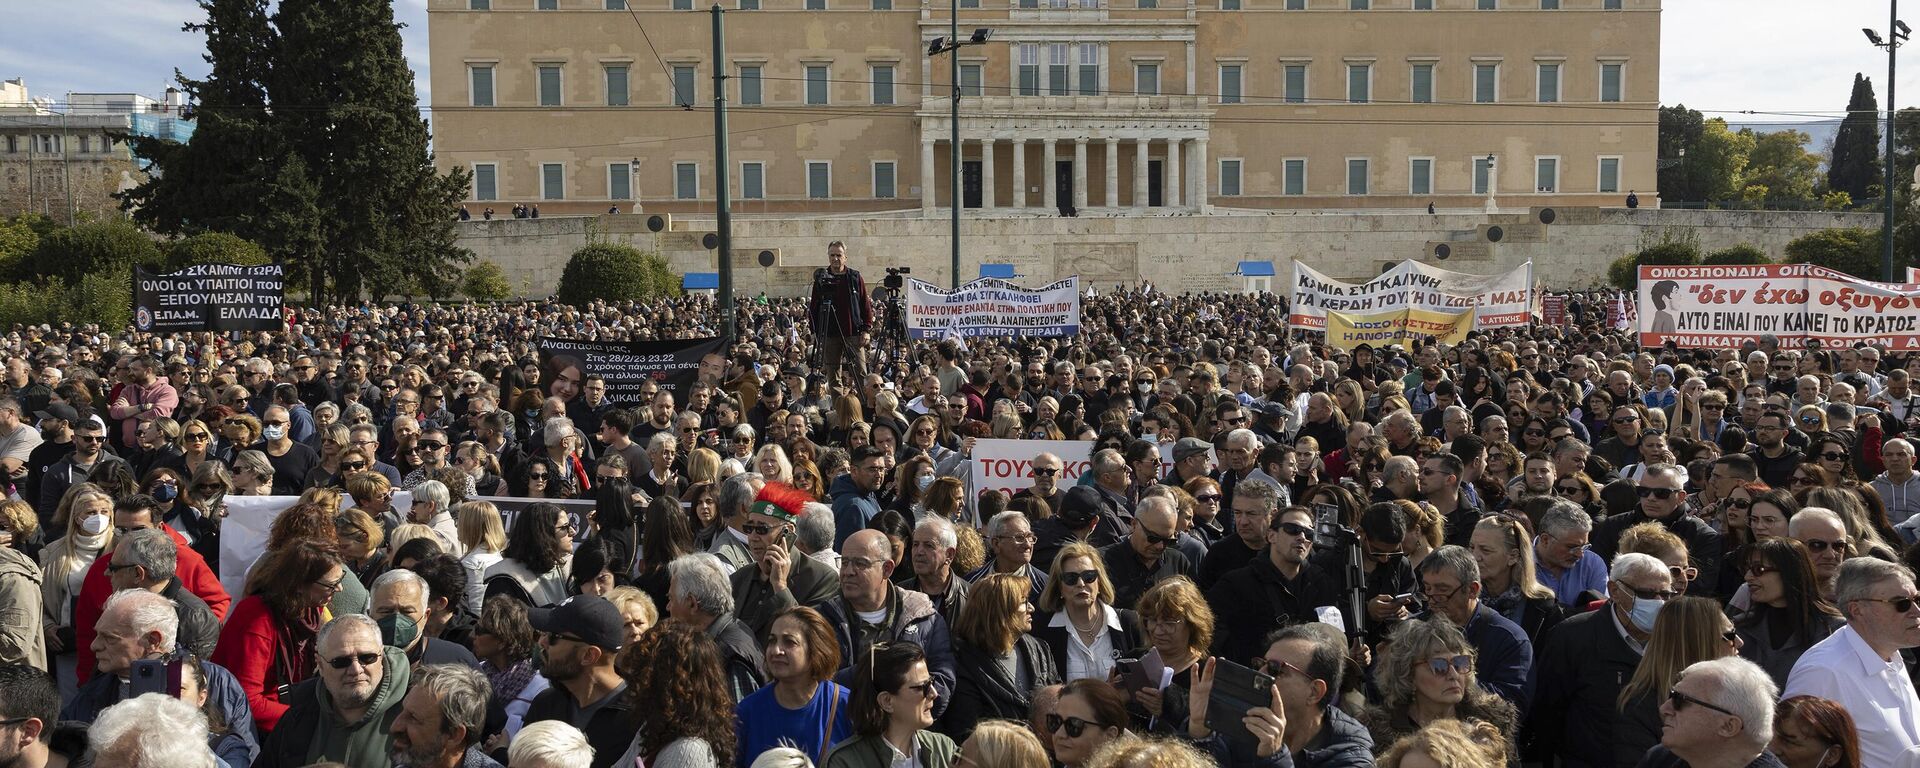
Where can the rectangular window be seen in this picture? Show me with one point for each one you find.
(486, 181)
(553, 181)
(1296, 84)
(86, 144)
(816, 84)
(749, 5)
(969, 3)
(753, 181)
(619, 181)
(1147, 4)
(883, 83)
(1489, 5)
(1420, 176)
(1549, 83)
(546, 5)
(1422, 84)
(1481, 171)
(1546, 174)
(1229, 5)
(819, 180)
(1609, 174)
(1423, 5)
(750, 85)
(883, 5)
(1609, 5)
(686, 181)
(1058, 71)
(616, 5)
(1229, 178)
(479, 5)
(683, 92)
(1029, 69)
(550, 85)
(816, 5)
(1230, 84)
(1486, 83)
(1023, 3)
(1610, 81)
(1359, 83)
(480, 79)
(683, 5)
(1359, 5)
(1549, 5)
(1296, 5)
(1294, 181)
(1146, 79)
(883, 181)
(617, 86)
(1356, 177)
(1089, 69)
(970, 80)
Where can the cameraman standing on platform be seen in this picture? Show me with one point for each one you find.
(841, 312)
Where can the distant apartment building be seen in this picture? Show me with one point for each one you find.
(71, 157)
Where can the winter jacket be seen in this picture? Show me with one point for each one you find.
(511, 577)
(755, 600)
(63, 475)
(189, 569)
(914, 620)
(935, 751)
(1703, 542)
(248, 645)
(1577, 681)
(1343, 743)
(22, 640)
(1252, 601)
(983, 691)
(853, 508)
(312, 731)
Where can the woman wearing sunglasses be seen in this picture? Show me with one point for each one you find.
(1428, 676)
(1834, 454)
(1078, 622)
(1654, 540)
(892, 707)
(1686, 631)
(332, 469)
(1787, 614)
(1090, 714)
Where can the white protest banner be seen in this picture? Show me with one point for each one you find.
(1718, 307)
(1006, 465)
(1504, 299)
(243, 535)
(991, 307)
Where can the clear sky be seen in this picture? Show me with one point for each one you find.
(1792, 57)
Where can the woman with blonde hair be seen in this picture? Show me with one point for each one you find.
(252, 474)
(196, 444)
(483, 536)
(86, 515)
(1687, 630)
(1428, 676)
(1426, 529)
(997, 662)
(360, 537)
(1350, 400)
(1002, 744)
(1503, 549)
(1178, 625)
(703, 466)
(772, 463)
(1137, 752)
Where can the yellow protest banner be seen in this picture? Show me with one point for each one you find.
(1346, 331)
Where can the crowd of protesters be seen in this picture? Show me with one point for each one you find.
(1542, 545)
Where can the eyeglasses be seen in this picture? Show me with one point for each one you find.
(1534, 432)
(1294, 529)
(1732, 636)
(1461, 663)
(368, 660)
(1207, 498)
(1647, 594)
(540, 476)
(756, 529)
(90, 438)
(1154, 538)
(117, 567)
(1659, 493)
(1833, 456)
(1681, 701)
(1626, 419)
(1757, 570)
(1076, 578)
(1568, 490)
(1901, 604)
(1740, 503)
(1683, 573)
(1074, 726)
(1045, 471)
(925, 689)
(428, 445)
(1276, 667)
(1818, 546)
(1022, 538)
(331, 586)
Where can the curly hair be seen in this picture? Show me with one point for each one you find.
(1137, 752)
(1412, 644)
(1451, 744)
(674, 677)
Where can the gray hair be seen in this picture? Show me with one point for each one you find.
(997, 525)
(1569, 445)
(1243, 436)
(434, 491)
(461, 693)
(1452, 558)
(1746, 689)
(1665, 470)
(1859, 575)
(255, 462)
(1563, 517)
(557, 428)
(701, 579)
(343, 623)
(814, 530)
(1631, 564)
(152, 550)
(737, 492)
(663, 441)
(782, 757)
(549, 744)
(942, 530)
(152, 729)
(1397, 467)
(1811, 514)
(145, 612)
(1107, 460)
(399, 576)
(1402, 418)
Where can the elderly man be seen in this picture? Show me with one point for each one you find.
(1399, 479)
(1860, 666)
(144, 559)
(871, 609)
(1589, 658)
(1144, 558)
(581, 638)
(1570, 457)
(1240, 462)
(442, 719)
(292, 460)
(152, 730)
(1825, 536)
(1191, 456)
(1719, 714)
(935, 543)
(1045, 470)
(700, 596)
(1562, 560)
(137, 624)
(1663, 496)
(1281, 588)
(780, 577)
(549, 744)
(1450, 580)
(401, 608)
(135, 513)
(1253, 511)
(1010, 549)
(1113, 480)
(346, 713)
(736, 495)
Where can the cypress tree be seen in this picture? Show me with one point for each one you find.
(1856, 148)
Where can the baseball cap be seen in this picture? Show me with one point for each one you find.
(60, 411)
(591, 618)
(1188, 447)
(1080, 506)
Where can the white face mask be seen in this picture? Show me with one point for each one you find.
(94, 525)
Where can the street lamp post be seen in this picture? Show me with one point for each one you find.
(951, 45)
(1490, 183)
(1897, 33)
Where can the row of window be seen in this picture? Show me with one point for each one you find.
(1225, 5)
(54, 143)
(884, 176)
(1071, 68)
(1359, 172)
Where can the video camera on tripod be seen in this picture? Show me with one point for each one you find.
(893, 281)
(1329, 533)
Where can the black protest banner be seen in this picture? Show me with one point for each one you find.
(623, 365)
(211, 297)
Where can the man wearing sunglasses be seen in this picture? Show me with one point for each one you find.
(779, 576)
(345, 713)
(1719, 713)
(1860, 667)
(1279, 589)
(1663, 499)
(1147, 556)
(89, 451)
(580, 637)
(1589, 657)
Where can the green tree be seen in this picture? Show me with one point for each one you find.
(1667, 247)
(95, 247)
(340, 83)
(1780, 162)
(1744, 253)
(213, 248)
(1701, 160)
(17, 241)
(485, 281)
(1853, 251)
(615, 272)
(1856, 148)
(1680, 131)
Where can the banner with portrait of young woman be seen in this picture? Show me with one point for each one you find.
(1721, 307)
(625, 366)
(1505, 299)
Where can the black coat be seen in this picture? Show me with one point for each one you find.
(1703, 542)
(1250, 602)
(982, 690)
(1577, 681)
(1128, 636)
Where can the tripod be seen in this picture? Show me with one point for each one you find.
(826, 317)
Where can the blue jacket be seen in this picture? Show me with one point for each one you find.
(102, 691)
(852, 509)
(1505, 655)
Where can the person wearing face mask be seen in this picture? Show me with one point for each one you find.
(144, 397)
(88, 512)
(1588, 660)
(401, 610)
(292, 460)
(1811, 732)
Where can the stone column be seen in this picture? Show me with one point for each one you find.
(1140, 147)
(1047, 188)
(1019, 173)
(986, 173)
(1170, 187)
(1200, 173)
(926, 177)
(1080, 174)
(1112, 197)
